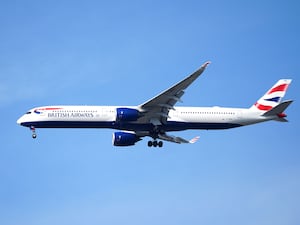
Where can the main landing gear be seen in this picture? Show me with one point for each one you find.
(155, 134)
(32, 128)
(155, 143)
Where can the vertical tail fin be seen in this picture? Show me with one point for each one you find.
(273, 96)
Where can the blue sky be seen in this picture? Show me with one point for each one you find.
(124, 53)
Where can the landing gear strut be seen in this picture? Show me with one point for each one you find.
(155, 143)
(156, 130)
(32, 128)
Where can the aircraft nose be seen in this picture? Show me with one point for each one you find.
(20, 120)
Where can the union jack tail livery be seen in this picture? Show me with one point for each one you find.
(273, 97)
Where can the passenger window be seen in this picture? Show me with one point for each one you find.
(28, 112)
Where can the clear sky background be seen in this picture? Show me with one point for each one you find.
(124, 53)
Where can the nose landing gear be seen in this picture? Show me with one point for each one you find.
(32, 128)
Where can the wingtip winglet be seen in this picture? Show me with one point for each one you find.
(194, 140)
(206, 64)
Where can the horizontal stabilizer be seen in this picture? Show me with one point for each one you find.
(281, 120)
(278, 109)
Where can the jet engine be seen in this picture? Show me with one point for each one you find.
(127, 114)
(125, 139)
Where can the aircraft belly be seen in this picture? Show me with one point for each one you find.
(177, 126)
(68, 124)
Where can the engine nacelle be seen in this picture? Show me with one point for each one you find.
(127, 114)
(125, 139)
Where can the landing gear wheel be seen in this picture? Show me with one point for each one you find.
(34, 136)
(155, 144)
(160, 144)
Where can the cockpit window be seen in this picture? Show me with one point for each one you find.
(28, 112)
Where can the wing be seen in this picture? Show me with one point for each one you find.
(156, 110)
(177, 140)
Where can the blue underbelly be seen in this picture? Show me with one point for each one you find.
(169, 126)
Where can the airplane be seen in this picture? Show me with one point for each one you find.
(158, 116)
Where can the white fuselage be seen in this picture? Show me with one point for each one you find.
(181, 118)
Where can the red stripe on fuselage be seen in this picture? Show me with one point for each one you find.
(49, 108)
